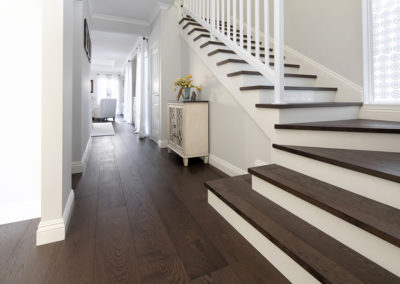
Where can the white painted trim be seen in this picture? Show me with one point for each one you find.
(16, 212)
(325, 69)
(368, 72)
(118, 19)
(380, 112)
(259, 163)
(226, 167)
(285, 264)
(162, 143)
(79, 167)
(69, 207)
(52, 231)
(372, 247)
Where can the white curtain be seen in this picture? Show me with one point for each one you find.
(128, 93)
(109, 87)
(142, 113)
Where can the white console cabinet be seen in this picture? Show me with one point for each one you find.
(188, 129)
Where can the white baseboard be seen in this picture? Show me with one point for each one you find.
(162, 143)
(79, 167)
(380, 112)
(16, 212)
(284, 263)
(226, 167)
(52, 231)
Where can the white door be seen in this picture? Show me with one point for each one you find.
(155, 93)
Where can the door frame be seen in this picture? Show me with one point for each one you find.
(154, 46)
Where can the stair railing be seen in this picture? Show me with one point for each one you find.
(221, 18)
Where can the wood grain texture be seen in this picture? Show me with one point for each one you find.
(352, 125)
(325, 258)
(385, 165)
(374, 217)
(139, 217)
(222, 276)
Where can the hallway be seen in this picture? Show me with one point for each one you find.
(139, 217)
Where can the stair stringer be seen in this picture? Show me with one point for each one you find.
(246, 101)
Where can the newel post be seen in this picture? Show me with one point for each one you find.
(279, 48)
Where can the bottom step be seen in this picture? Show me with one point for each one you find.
(315, 253)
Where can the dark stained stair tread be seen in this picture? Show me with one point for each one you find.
(241, 61)
(213, 42)
(353, 125)
(385, 165)
(325, 258)
(309, 105)
(374, 217)
(288, 88)
(186, 19)
(256, 73)
(221, 51)
(191, 24)
(201, 36)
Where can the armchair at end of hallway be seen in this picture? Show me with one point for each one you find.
(106, 109)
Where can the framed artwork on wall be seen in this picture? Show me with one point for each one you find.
(87, 43)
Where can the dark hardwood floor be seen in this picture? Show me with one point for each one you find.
(139, 217)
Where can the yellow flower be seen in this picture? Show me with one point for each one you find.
(188, 76)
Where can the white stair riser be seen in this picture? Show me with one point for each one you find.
(234, 67)
(298, 115)
(375, 188)
(267, 96)
(379, 251)
(340, 140)
(286, 265)
(249, 80)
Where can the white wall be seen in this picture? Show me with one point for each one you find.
(234, 136)
(81, 86)
(20, 151)
(330, 32)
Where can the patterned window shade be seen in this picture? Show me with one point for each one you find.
(386, 51)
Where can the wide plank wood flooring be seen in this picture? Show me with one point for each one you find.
(139, 217)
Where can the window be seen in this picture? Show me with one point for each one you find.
(109, 87)
(384, 50)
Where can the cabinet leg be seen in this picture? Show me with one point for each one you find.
(185, 162)
(205, 159)
(169, 151)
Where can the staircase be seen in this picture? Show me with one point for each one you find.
(328, 208)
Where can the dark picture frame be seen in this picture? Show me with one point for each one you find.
(87, 42)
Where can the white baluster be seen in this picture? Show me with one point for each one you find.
(234, 28)
(257, 28)
(266, 31)
(223, 16)
(208, 11)
(241, 21)
(204, 9)
(249, 25)
(228, 20)
(279, 28)
(213, 17)
(218, 15)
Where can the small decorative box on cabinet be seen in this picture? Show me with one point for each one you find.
(188, 129)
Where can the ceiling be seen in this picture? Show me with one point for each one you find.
(116, 26)
(111, 50)
(141, 10)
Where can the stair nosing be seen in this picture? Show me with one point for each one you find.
(342, 164)
(348, 217)
(304, 126)
(241, 61)
(301, 251)
(289, 88)
(309, 105)
(256, 73)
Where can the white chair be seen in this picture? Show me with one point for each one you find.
(106, 109)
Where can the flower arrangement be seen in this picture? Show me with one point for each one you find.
(185, 84)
